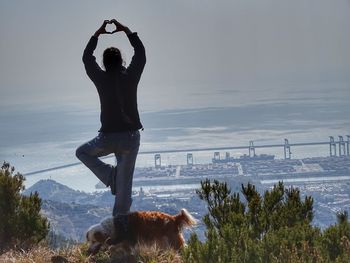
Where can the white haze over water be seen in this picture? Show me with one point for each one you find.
(218, 73)
(54, 144)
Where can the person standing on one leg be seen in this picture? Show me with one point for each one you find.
(119, 134)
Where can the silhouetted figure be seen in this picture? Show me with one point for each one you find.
(119, 133)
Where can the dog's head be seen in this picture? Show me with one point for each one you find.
(96, 236)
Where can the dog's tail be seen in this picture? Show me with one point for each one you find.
(184, 219)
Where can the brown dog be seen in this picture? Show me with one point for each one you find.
(147, 228)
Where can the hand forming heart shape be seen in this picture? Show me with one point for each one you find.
(110, 27)
(103, 30)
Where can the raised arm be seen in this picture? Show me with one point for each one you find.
(93, 70)
(138, 60)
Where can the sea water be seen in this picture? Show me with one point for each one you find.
(37, 140)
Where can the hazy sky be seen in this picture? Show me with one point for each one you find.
(200, 53)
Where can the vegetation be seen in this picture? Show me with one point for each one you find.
(25, 236)
(273, 227)
(22, 225)
(78, 254)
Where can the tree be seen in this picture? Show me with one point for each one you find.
(271, 227)
(21, 224)
(335, 240)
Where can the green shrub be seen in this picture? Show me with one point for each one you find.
(273, 227)
(21, 224)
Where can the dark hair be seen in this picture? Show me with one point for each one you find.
(112, 58)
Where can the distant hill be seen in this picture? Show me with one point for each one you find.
(54, 191)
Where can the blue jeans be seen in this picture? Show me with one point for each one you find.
(125, 146)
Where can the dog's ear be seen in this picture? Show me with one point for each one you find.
(100, 237)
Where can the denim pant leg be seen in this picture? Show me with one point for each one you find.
(126, 158)
(89, 154)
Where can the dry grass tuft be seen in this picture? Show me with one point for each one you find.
(38, 255)
(155, 255)
(42, 254)
(78, 254)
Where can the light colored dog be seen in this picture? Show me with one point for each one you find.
(146, 227)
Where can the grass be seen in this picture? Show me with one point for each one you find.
(78, 254)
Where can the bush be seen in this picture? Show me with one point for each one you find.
(273, 227)
(335, 240)
(21, 224)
